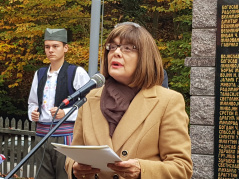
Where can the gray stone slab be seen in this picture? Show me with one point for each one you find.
(202, 110)
(202, 81)
(203, 43)
(203, 166)
(202, 139)
(204, 14)
(200, 61)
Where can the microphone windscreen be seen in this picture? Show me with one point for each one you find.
(99, 79)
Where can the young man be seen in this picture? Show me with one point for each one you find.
(50, 86)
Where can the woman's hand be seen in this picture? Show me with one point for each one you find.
(126, 169)
(84, 171)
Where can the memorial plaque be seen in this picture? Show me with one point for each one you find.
(227, 93)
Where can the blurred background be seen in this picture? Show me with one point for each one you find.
(22, 25)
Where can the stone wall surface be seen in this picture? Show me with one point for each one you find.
(203, 43)
(202, 110)
(204, 14)
(203, 168)
(202, 89)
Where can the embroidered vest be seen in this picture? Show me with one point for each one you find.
(65, 76)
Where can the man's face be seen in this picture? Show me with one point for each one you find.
(55, 50)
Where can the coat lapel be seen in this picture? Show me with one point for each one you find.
(140, 107)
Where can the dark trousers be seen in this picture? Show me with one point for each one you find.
(53, 165)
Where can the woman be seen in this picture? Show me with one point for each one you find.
(144, 123)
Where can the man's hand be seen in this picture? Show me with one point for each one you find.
(60, 114)
(35, 115)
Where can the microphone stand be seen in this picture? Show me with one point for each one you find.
(75, 106)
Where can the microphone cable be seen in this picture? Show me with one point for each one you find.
(44, 146)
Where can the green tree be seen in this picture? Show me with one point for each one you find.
(22, 24)
(169, 21)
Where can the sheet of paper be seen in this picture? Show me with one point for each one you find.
(96, 156)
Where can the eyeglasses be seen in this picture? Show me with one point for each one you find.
(123, 48)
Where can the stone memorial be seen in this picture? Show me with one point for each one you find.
(214, 89)
(227, 91)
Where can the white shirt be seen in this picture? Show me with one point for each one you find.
(81, 78)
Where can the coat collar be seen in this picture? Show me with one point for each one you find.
(140, 107)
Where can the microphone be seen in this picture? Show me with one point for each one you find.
(96, 81)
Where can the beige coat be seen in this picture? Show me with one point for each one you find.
(154, 130)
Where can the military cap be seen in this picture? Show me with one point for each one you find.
(56, 34)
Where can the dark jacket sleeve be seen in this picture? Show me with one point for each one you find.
(165, 80)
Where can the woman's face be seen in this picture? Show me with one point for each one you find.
(122, 65)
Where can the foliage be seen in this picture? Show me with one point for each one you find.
(22, 24)
(169, 21)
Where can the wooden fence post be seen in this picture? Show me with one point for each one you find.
(16, 140)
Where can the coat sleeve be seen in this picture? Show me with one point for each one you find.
(174, 144)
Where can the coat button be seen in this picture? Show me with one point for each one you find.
(116, 176)
(124, 153)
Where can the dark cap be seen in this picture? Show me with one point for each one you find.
(56, 34)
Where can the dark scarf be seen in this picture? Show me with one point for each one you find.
(114, 101)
